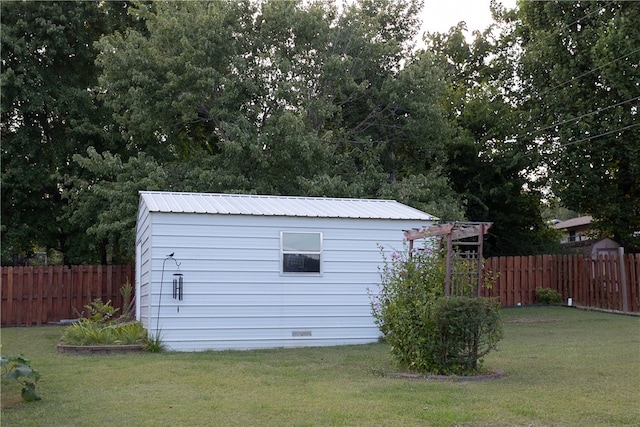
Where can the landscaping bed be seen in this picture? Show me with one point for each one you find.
(100, 349)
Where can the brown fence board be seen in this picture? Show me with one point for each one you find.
(39, 295)
(592, 283)
(633, 286)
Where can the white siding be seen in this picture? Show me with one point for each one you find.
(234, 294)
(143, 266)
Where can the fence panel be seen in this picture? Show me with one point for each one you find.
(39, 295)
(598, 283)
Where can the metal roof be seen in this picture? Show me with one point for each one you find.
(243, 204)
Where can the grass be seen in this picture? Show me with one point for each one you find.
(565, 367)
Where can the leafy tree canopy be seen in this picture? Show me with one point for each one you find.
(580, 82)
(282, 98)
(490, 168)
(49, 114)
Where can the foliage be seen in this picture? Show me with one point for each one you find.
(126, 290)
(103, 99)
(88, 332)
(548, 296)
(411, 284)
(154, 344)
(100, 312)
(101, 328)
(19, 368)
(467, 330)
(281, 98)
(427, 331)
(579, 74)
(49, 113)
(104, 199)
(491, 170)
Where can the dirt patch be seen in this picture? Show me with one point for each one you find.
(453, 378)
(11, 401)
(535, 320)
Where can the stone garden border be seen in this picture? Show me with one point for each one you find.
(100, 349)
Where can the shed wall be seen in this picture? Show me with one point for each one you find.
(235, 296)
(143, 266)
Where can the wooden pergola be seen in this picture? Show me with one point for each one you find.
(455, 234)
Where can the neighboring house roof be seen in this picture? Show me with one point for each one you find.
(573, 223)
(242, 204)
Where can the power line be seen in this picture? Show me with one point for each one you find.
(594, 112)
(588, 72)
(557, 31)
(599, 135)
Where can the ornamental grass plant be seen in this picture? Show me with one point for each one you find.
(88, 332)
(100, 328)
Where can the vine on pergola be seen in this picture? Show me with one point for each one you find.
(456, 235)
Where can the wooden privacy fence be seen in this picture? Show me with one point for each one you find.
(39, 295)
(609, 282)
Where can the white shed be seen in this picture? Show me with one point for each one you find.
(262, 271)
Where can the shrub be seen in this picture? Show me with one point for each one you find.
(467, 329)
(426, 331)
(19, 368)
(154, 343)
(548, 296)
(411, 285)
(126, 290)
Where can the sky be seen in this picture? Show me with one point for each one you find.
(440, 15)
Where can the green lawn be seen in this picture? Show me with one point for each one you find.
(564, 366)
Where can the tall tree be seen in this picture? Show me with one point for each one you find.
(49, 113)
(490, 168)
(283, 97)
(581, 80)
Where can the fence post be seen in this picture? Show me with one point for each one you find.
(623, 280)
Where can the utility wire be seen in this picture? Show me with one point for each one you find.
(599, 135)
(594, 112)
(557, 31)
(588, 72)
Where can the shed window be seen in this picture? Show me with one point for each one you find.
(301, 252)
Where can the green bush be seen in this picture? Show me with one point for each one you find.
(548, 296)
(410, 286)
(467, 329)
(426, 331)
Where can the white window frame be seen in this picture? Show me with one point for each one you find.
(284, 252)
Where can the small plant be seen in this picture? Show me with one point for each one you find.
(19, 368)
(548, 296)
(100, 311)
(126, 290)
(88, 332)
(154, 343)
